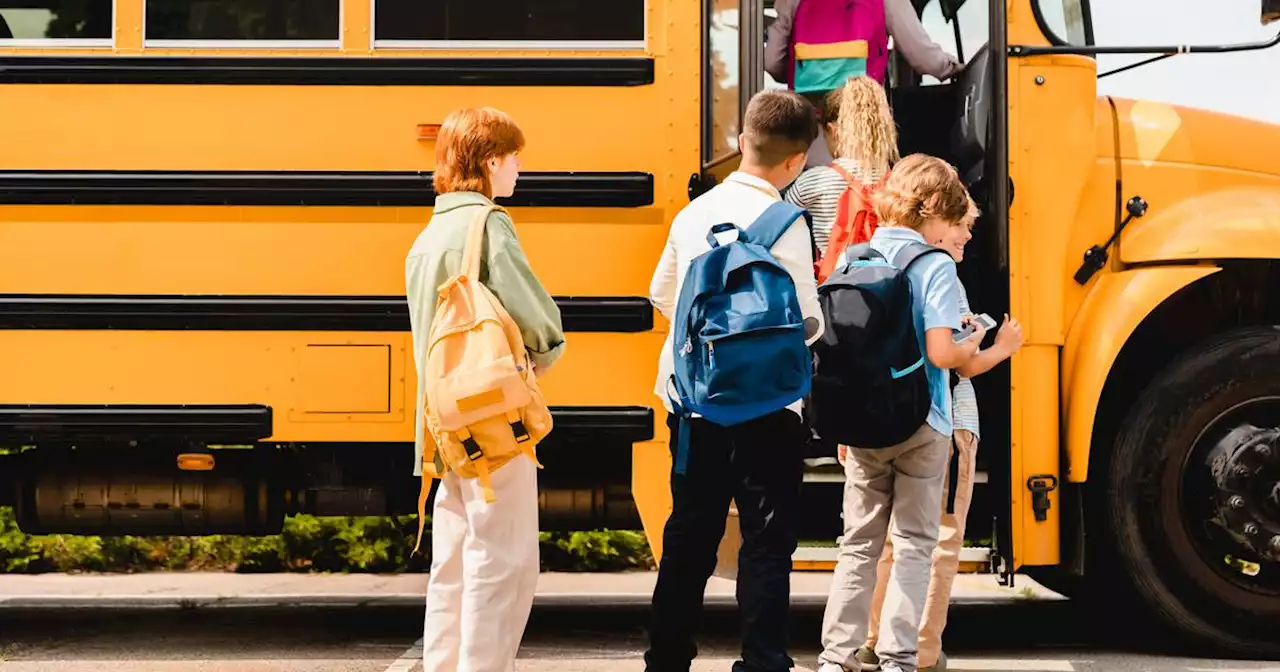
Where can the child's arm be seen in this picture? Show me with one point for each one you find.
(1008, 341)
(777, 48)
(942, 318)
(662, 287)
(945, 353)
(794, 250)
(532, 308)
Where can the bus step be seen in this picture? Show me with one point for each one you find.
(825, 474)
(973, 560)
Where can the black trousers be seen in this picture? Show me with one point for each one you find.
(760, 465)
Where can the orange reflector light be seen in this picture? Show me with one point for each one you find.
(195, 462)
(428, 131)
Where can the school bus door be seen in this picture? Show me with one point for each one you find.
(732, 72)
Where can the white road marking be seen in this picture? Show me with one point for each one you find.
(700, 664)
(408, 659)
(1009, 665)
(719, 664)
(1233, 669)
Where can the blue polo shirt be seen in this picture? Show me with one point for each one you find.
(935, 295)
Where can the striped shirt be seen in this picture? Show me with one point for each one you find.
(818, 191)
(964, 404)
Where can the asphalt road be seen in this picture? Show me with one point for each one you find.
(1013, 636)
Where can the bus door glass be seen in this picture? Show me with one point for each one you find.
(733, 72)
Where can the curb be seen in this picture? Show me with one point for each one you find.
(391, 601)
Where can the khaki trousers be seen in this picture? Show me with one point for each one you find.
(894, 492)
(946, 559)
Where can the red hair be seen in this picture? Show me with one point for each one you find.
(468, 139)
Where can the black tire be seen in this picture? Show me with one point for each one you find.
(1149, 528)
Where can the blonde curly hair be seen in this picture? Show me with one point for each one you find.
(864, 126)
(922, 188)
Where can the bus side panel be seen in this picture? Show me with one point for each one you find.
(321, 386)
(300, 250)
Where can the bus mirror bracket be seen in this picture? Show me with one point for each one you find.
(1096, 257)
(1021, 51)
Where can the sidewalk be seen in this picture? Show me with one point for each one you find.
(199, 589)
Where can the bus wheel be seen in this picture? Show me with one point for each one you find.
(1194, 493)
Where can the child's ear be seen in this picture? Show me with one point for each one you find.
(797, 161)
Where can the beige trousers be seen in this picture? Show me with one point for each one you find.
(946, 559)
(892, 492)
(484, 571)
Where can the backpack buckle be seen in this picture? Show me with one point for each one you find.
(473, 449)
(522, 434)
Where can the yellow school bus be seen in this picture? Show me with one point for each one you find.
(205, 206)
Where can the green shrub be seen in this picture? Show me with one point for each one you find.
(600, 551)
(306, 544)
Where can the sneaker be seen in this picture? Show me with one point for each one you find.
(867, 659)
(831, 667)
(940, 666)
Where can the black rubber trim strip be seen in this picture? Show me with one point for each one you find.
(362, 71)
(252, 422)
(630, 424)
(222, 422)
(69, 187)
(626, 314)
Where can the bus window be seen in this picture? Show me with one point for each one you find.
(55, 22)
(1065, 19)
(972, 34)
(585, 24)
(293, 23)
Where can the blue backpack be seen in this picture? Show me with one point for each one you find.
(739, 341)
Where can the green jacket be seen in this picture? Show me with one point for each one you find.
(436, 256)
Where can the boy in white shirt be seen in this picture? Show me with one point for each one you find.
(758, 463)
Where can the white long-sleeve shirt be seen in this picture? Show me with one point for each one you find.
(740, 199)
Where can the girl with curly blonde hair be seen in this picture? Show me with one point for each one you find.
(858, 125)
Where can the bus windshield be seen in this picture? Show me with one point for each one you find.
(1067, 20)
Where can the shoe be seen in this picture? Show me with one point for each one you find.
(831, 667)
(867, 659)
(940, 666)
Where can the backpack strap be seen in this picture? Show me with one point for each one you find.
(849, 179)
(774, 222)
(680, 461)
(478, 460)
(429, 486)
(853, 253)
(475, 241)
(433, 470)
(852, 181)
(953, 475)
(911, 253)
(722, 227)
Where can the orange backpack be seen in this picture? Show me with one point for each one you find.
(483, 406)
(855, 220)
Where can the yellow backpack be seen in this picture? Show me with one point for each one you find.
(483, 403)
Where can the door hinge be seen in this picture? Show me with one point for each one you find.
(1040, 486)
(699, 184)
